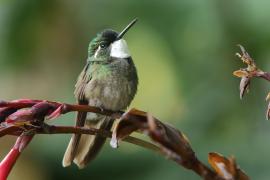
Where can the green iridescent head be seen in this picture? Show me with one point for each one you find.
(109, 43)
(101, 42)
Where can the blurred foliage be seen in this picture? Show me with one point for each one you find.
(184, 51)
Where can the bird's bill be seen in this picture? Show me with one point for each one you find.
(122, 33)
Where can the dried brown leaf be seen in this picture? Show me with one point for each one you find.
(226, 168)
(29, 116)
(172, 142)
(245, 57)
(240, 73)
(5, 112)
(268, 107)
(10, 130)
(244, 86)
(127, 125)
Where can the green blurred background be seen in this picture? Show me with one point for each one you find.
(184, 51)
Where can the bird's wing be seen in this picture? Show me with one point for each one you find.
(82, 81)
(79, 92)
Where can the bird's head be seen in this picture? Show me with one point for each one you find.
(109, 43)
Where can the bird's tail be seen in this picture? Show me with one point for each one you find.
(89, 145)
(74, 141)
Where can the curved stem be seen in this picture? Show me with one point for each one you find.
(142, 143)
(92, 131)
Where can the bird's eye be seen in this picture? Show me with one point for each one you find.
(103, 45)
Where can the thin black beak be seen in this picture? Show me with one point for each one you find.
(122, 33)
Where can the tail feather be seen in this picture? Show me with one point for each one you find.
(89, 145)
(74, 141)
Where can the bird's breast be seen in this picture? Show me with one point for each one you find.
(112, 87)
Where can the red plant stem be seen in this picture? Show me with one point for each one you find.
(18, 104)
(204, 171)
(93, 131)
(66, 107)
(8, 162)
(196, 165)
(10, 131)
(86, 108)
(266, 76)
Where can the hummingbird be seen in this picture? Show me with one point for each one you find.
(109, 81)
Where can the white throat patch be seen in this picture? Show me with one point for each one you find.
(119, 49)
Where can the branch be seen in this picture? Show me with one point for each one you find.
(92, 131)
(251, 71)
(26, 118)
(195, 165)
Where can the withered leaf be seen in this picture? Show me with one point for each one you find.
(240, 73)
(30, 115)
(10, 130)
(5, 112)
(244, 86)
(226, 168)
(171, 141)
(127, 125)
(20, 117)
(245, 57)
(22, 141)
(268, 107)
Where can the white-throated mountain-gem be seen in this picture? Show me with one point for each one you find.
(109, 80)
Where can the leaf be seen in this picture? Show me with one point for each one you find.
(240, 73)
(5, 112)
(10, 130)
(127, 125)
(31, 115)
(171, 141)
(244, 86)
(22, 141)
(56, 112)
(42, 109)
(226, 168)
(245, 57)
(20, 117)
(268, 107)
